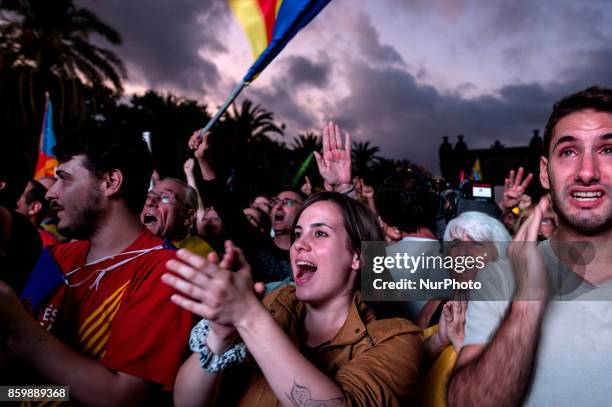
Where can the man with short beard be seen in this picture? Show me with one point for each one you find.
(105, 326)
(531, 350)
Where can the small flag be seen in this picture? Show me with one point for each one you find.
(476, 172)
(45, 166)
(271, 24)
(301, 170)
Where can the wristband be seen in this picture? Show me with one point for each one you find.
(211, 362)
(349, 190)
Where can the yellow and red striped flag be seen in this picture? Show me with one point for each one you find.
(271, 24)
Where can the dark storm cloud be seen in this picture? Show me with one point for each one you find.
(407, 117)
(408, 120)
(369, 43)
(162, 38)
(387, 101)
(585, 22)
(283, 95)
(510, 17)
(303, 71)
(593, 66)
(282, 101)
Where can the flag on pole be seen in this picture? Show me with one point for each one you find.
(45, 166)
(271, 24)
(476, 172)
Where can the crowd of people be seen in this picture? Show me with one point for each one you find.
(133, 291)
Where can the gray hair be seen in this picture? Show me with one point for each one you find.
(479, 227)
(191, 195)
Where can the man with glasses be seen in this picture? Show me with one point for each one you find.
(282, 214)
(170, 211)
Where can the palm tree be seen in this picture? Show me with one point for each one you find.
(364, 157)
(252, 122)
(305, 144)
(382, 169)
(46, 46)
(170, 119)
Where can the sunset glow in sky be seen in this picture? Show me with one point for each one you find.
(401, 74)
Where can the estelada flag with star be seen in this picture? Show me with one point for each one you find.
(46, 163)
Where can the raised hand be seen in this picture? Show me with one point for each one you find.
(335, 160)
(188, 167)
(358, 183)
(514, 188)
(367, 192)
(452, 323)
(306, 187)
(199, 145)
(527, 263)
(201, 152)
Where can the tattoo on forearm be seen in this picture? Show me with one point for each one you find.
(300, 397)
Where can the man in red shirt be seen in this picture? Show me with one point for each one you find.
(108, 329)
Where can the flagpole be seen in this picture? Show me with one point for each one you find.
(42, 128)
(223, 108)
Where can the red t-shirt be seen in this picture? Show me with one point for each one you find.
(128, 322)
(47, 238)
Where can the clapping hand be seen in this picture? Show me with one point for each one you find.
(452, 324)
(210, 288)
(527, 263)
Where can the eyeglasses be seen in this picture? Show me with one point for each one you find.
(288, 202)
(163, 197)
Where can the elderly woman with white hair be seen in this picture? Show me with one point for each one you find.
(443, 320)
(476, 226)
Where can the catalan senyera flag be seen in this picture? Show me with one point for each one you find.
(271, 24)
(45, 166)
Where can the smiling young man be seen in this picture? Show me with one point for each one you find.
(106, 328)
(542, 352)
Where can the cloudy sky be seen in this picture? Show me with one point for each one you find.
(400, 73)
